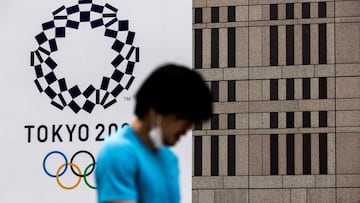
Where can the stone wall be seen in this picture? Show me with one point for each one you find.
(285, 78)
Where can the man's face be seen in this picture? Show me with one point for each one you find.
(173, 128)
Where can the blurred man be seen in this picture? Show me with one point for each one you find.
(135, 164)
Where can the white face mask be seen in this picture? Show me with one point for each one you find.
(156, 134)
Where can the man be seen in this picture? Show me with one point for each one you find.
(135, 164)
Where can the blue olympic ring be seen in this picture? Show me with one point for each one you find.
(44, 165)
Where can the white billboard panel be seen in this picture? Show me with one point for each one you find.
(69, 71)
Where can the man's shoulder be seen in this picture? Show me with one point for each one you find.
(169, 154)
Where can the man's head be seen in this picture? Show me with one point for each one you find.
(176, 94)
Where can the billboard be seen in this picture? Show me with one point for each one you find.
(69, 70)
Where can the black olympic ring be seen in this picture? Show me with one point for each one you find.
(93, 161)
(72, 165)
(56, 87)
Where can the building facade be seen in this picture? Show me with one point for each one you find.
(285, 79)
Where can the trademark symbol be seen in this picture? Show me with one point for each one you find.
(127, 98)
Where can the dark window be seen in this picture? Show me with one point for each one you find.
(306, 44)
(306, 88)
(274, 46)
(214, 157)
(306, 154)
(215, 122)
(198, 48)
(231, 14)
(198, 126)
(323, 88)
(273, 11)
(231, 121)
(290, 154)
(306, 10)
(274, 89)
(274, 154)
(323, 119)
(231, 90)
(231, 47)
(322, 9)
(198, 15)
(306, 119)
(290, 11)
(290, 89)
(215, 48)
(215, 91)
(231, 155)
(323, 153)
(197, 156)
(274, 119)
(322, 44)
(290, 45)
(290, 119)
(215, 14)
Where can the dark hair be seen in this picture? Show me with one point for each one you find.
(175, 89)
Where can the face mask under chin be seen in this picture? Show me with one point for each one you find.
(155, 134)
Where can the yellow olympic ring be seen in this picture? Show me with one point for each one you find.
(58, 180)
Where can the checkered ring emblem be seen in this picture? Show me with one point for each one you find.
(57, 88)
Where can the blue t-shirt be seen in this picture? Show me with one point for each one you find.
(127, 169)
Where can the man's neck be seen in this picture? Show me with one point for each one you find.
(142, 129)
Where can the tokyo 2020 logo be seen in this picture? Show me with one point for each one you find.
(61, 92)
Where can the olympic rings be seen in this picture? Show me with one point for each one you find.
(62, 169)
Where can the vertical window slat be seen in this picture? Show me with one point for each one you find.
(231, 47)
(214, 47)
(274, 90)
(290, 119)
(214, 14)
(215, 91)
(231, 155)
(273, 11)
(214, 157)
(307, 154)
(274, 119)
(323, 119)
(231, 14)
(306, 91)
(214, 122)
(322, 44)
(290, 154)
(231, 120)
(305, 10)
(274, 46)
(322, 9)
(198, 156)
(323, 158)
(274, 154)
(198, 15)
(323, 88)
(306, 119)
(306, 44)
(290, 45)
(290, 89)
(289, 11)
(198, 48)
(231, 90)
